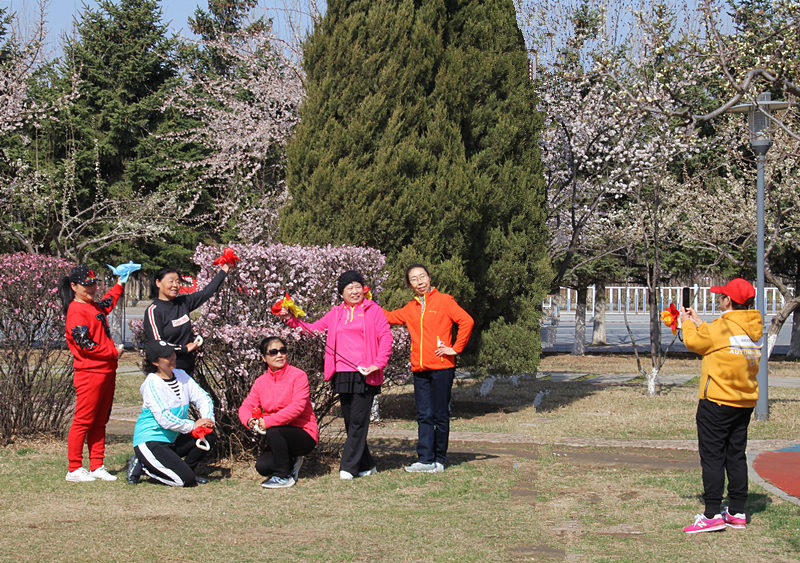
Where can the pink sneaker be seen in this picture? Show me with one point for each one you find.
(703, 524)
(738, 520)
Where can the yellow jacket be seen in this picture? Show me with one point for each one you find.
(731, 350)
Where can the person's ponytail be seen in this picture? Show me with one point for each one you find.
(66, 294)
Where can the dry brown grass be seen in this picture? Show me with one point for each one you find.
(584, 410)
(495, 502)
(626, 363)
(612, 512)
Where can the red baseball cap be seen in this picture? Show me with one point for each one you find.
(737, 289)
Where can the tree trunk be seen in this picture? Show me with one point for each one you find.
(794, 344)
(599, 324)
(776, 324)
(655, 322)
(655, 340)
(651, 377)
(579, 345)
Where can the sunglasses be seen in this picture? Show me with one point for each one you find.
(276, 351)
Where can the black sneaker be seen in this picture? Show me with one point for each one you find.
(133, 472)
(200, 480)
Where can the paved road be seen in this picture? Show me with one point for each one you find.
(616, 333)
(619, 340)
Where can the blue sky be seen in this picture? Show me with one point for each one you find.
(60, 15)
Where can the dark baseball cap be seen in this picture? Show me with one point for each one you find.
(82, 275)
(156, 349)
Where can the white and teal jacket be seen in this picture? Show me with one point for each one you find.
(165, 413)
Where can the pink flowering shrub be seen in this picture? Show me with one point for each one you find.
(35, 367)
(234, 321)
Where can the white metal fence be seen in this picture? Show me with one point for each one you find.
(634, 299)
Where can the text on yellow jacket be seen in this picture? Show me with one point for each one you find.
(731, 350)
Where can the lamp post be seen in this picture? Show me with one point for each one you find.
(760, 141)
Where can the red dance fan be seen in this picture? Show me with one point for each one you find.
(257, 413)
(670, 317)
(290, 305)
(228, 257)
(200, 433)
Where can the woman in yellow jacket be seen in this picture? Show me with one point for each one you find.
(430, 317)
(731, 350)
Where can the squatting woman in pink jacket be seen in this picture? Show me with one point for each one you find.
(357, 348)
(280, 405)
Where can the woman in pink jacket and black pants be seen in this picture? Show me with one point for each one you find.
(279, 404)
(357, 348)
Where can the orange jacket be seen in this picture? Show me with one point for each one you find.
(429, 328)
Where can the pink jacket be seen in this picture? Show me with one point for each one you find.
(284, 396)
(377, 338)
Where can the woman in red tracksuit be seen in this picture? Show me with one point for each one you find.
(95, 366)
(430, 317)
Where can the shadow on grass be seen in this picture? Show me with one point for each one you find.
(395, 454)
(390, 454)
(778, 401)
(504, 398)
(120, 439)
(756, 503)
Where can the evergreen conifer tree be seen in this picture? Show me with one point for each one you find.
(124, 58)
(418, 136)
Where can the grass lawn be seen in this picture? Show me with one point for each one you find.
(596, 364)
(529, 497)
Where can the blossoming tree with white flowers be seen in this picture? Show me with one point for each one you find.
(244, 117)
(235, 320)
(599, 153)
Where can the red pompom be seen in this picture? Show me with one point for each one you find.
(228, 257)
(201, 431)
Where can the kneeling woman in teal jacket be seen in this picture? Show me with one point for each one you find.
(163, 438)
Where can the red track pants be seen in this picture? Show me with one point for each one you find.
(95, 394)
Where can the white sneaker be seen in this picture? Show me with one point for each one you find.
(345, 475)
(368, 472)
(103, 475)
(439, 468)
(276, 482)
(419, 467)
(80, 475)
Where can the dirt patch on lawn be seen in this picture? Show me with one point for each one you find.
(464, 451)
(536, 553)
(400, 451)
(655, 460)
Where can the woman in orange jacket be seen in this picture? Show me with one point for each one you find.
(430, 317)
